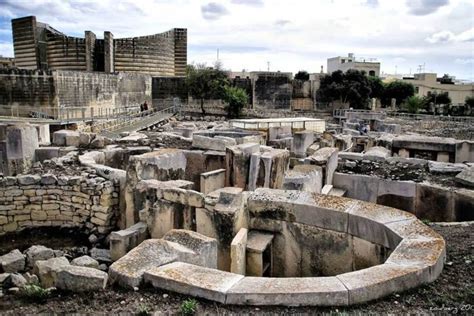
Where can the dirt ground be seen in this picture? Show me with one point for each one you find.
(451, 293)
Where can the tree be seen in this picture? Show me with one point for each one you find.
(438, 98)
(302, 75)
(236, 98)
(469, 102)
(352, 87)
(206, 83)
(413, 104)
(398, 90)
(376, 87)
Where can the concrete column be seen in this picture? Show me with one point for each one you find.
(109, 52)
(90, 47)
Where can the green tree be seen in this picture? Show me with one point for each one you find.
(236, 99)
(469, 102)
(437, 98)
(413, 104)
(398, 90)
(352, 87)
(206, 83)
(376, 87)
(302, 75)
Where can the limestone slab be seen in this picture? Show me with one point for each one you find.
(378, 281)
(193, 280)
(128, 271)
(323, 291)
(80, 279)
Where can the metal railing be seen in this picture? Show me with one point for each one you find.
(135, 122)
(428, 117)
(67, 113)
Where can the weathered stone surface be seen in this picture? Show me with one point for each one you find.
(377, 153)
(66, 138)
(46, 270)
(14, 261)
(101, 255)
(238, 249)
(125, 240)
(375, 282)
(17, 280)
(445, 167)
(204, 247)
(193, 280)
(35, 253)
(29, 179)
(80, 279)
(466, 177)
(85, 261)
(212, 180)
(128, 270)
(321, 291)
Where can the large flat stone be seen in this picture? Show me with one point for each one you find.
(466, 177)
(318, 210)
(426, 255)
(323, 291)
(193, 280)
(367, 221)
(47, 270)
(128, 270)
(378, 281)
(80, 279)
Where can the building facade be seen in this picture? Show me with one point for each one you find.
(371, 67)
(428, 83)
(39, 46)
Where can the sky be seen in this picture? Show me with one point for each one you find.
(279, 34)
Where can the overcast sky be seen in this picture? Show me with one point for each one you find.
(290, 35)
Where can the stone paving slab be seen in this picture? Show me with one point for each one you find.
(367, 221)
(378, 281)
(193, 280)
(323, 291)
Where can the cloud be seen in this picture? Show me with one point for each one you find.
(448, 36)
(282, 23)
(425, 7)
(255, 3)
(464, 61)
(213, 11)
(372, 3)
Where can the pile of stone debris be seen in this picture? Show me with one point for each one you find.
(54, 269)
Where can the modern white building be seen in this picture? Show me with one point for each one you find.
(370, 66)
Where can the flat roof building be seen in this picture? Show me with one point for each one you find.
(370, 66)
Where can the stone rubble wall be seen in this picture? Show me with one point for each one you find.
(48, 201)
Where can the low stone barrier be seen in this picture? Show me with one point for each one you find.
(67, 201)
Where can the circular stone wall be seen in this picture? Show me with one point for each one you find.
(417, 255)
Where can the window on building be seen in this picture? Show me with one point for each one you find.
(417, 89)
(372, 73)
(343, 61)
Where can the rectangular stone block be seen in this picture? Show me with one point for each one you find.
(212, 180)
(237, 252)
(193, 280)
(322, 291)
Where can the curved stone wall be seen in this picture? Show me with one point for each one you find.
(417, 255)
(29, 201)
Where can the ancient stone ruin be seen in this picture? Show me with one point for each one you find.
(256, 212)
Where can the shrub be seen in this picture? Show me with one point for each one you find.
(189, 307)
(143, 310)
(236, 99)
(35, 293)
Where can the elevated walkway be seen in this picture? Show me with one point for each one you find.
(135, 123)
